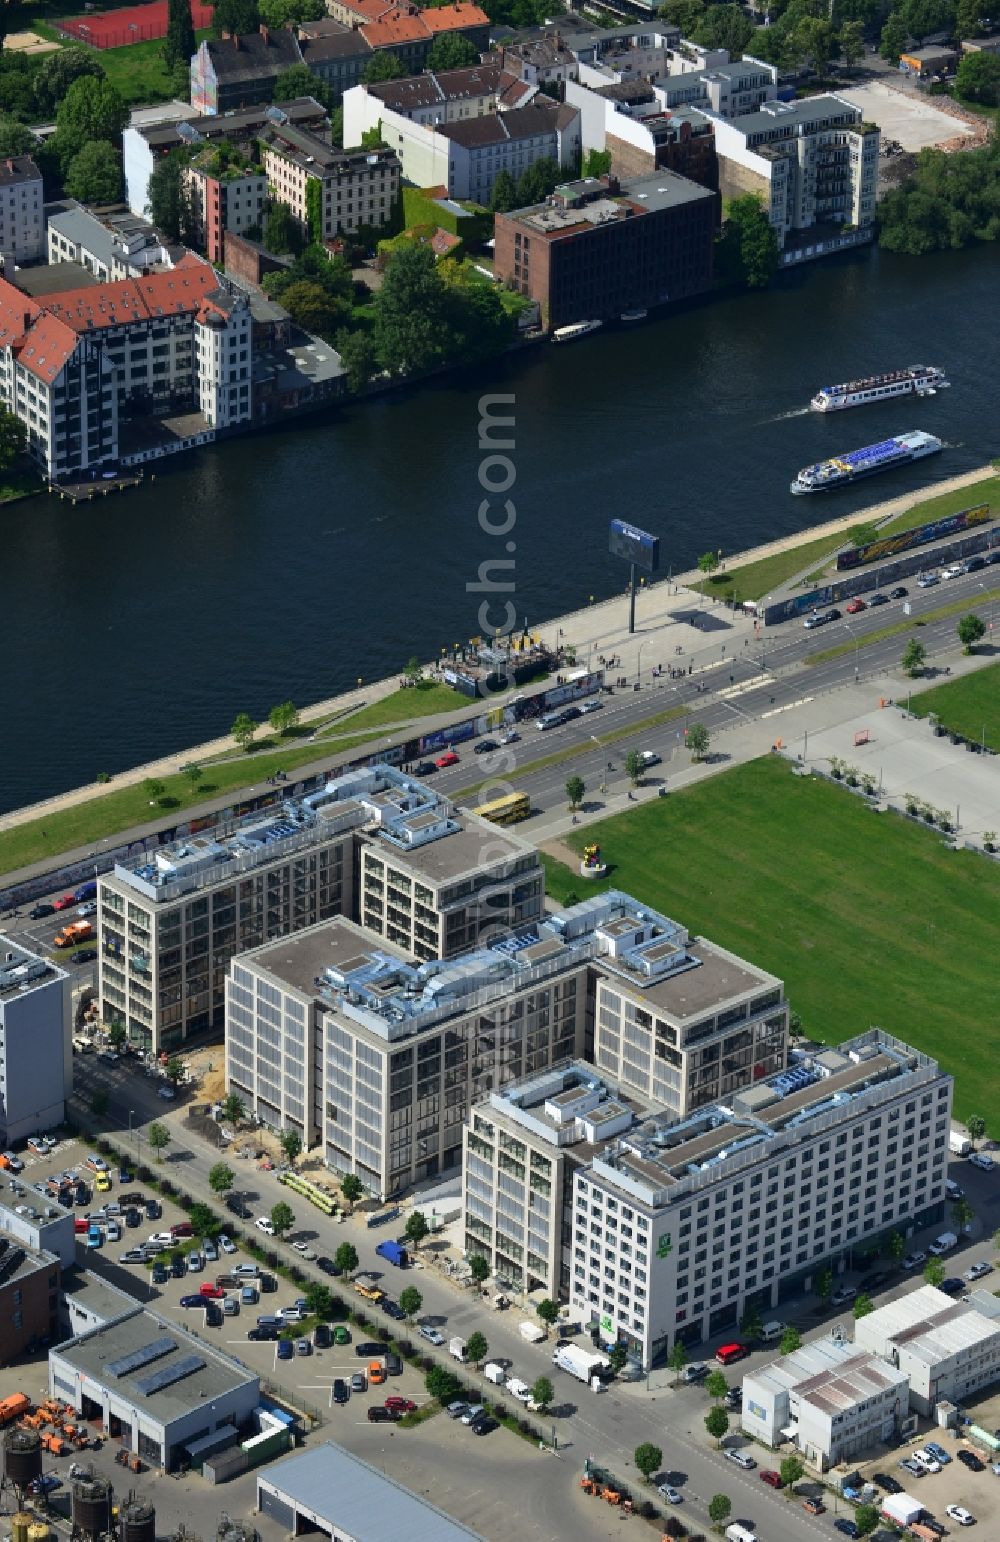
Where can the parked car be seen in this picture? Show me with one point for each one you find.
(449, 758)
(327, 1265)
(938, 1452)
(928, 580)
(367, 1351)
(178, 1267)
(401, 1405)
(856, 607)
(341, 1391)
(303, 1346)
(813, 1506)
(430, 1334)
(305, 1251)
(843, 1294)
(846, 1527)
(359, 1382)
(485, 747)
(457, 1409)
(771, 1478)
(741, 1459)
(979, 1271)
(982, 1161)
(377, 1415)
(187, 1301)
(226, 1243)
(65, 902)
(960, 1514)
(953, 1286)
(392, 1309)
(878, 599)
(214, 1315)
(695, 1372)
(211, 1292)
(971, 1460)
(887, 1483)
(263, 1223)
(669, 1493)
(166, 1093)
(84, 956)
(927, 1459)
(39, 912)
(483, 1425)
(915, 1469)
(286, 1349)
(899, 593)
(914, 1260)
(263, 1334)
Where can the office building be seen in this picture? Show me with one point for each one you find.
(832, 1401)
(114, 247)
(947, 1349)
(160, 1392)
(814, 165)
(598, 247)
(146, 143)
(680, 1225)
(29, 1298)
(36, 1054)
(40, 1223)
(328, 192)
(22, 222)
(523, 1144)
(226, 194)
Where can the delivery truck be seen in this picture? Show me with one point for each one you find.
(394, 1253)
(532, 1332)
(901, 1508)
(585, 1364)
(959, 1145)
(457, 1348)
(495, 1373)
(943, 1244)
(737, 1532)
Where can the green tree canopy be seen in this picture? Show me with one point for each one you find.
(575, 790)
(476, 1347)
(411, 312)
(504, 195)
(724, 26)
(894, 38)
(914, 658)
(720, 1508)
(634, 767)
(851, 39)
(233, 1108)
(749, 247)
(411, 1300)
(284, 13)
(479, 1267)
(204, 1220)
(791, 1340)
(442, 1384)
(538, 181)
(968, 21)
(863, 1306)
(57, 72)
(542, 1392)
(548, 1311)
(179, 44)
(312, 308)
(243, 730)
(677, 1358)
(299, 80)
(159, 1138)
(221, 1178)
(351, 1187)
(866, 1518)
(169, 204)
(319, 1300)
(697, 740)
(597, 163)
(282, 1218)
(359, 358)
(291, 1145)
(716, 1384)
(976, 1127)
(382, 66)
(648, 1459)
(717, 1422)
(13, 438)
(791, 1470)
(934, 1271)
(416, 1228)
(346, 1258)
(281, 234)
(92, 108)
(239, 17)
(15, 138)
(451, 51)
(970, 628)
(978, 79)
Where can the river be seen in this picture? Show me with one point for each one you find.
(289, 564)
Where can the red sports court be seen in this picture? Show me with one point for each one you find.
(131, 24)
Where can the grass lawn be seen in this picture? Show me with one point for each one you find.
(970, 706)
(868, 918)
(424, 699)
(20, 482)
(138, 70)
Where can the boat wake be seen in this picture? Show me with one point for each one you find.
(796, 412)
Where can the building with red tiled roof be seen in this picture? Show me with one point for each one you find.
(77, 364)
(463, 17)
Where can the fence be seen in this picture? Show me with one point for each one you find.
(130, 24)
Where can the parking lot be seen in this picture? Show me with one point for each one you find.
(954, 1484)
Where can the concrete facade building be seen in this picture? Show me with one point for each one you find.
(683, 1224)
(116, 247)
(156, 1388)
(22, 221)
(597, 248)
(947, 1349)
(40, 1225)
(814, 164)
(328, 192)
(36, 1054)
(833, 1401)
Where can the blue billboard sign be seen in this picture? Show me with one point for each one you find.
(634, 545)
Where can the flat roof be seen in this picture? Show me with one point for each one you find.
(929, 1326)
(298, 961)
(21, 971)
(158, 1345)
(54, 278)
(475, 845)
(793, 115)
(354, 1499)
(720, 978)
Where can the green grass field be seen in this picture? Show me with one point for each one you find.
(970, 706)
(139, 71)
(868, 918)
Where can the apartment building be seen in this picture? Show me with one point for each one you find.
(231, 72)
(335, 1033)
(111, 248)
(36, 1069)
(441, 96)
(22, 222)
(598, 247)
(813, 163)
(328, 192)
(948, 1349)
(684, 1223)
(833, 1401)
(225, 196)
(336, 55)
(145, 144)
(523, 1144)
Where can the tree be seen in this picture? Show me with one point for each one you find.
(934, 1271)
(91, 109)
(442, 1384)
(291, 1144)
(411, 324)
(717, 1422)
(284, 717)
(677, 1359)
(99, 1103)
(597, 163)
(504, 195)
(635, 766)
(413, 670)
(299, 80)
(914, 658)
(174, 1070)
(159, 1138)
(548, 1311)
(967, 22)
(724, 26)
(15, 139)
(810, 42)
(716, 1384)
(281, 234)
(416, 1227)
(312, 308)
(970, 629)
(897, 1246)
(791, 1340)
(411, 1300)
(169, 200)
(57, 73)
(863, 1305)
(924, 17)
(233, 1108)
(751, 1324)
(204, 1221)
(962, 1213)
(451, 51)
(476, 1347)
(749, 245)
(153, 789)
(893, 39)
(117, 1035)
(359, 358)
(697, 741)
(538, 180)
(617, 1357)
(720, 1508)
(852, 43)
(282, 1218)
(648, 1459)
(237, 17)
(542, 1392)
(346, 1258)
(381, 66)
(319, 1300)
(221, 1178)
(194, 774)
(575, 789)
(976, 1127)
(179, 44)
(479, 1267)
(791, 1470)
(351, 1187)
(823, 1285)
(243, 730)
(866, 1518)
(708, 562)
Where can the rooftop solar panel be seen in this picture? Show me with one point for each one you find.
(155, 1350)
(168, 1374)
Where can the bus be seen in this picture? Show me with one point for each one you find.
(506, 811)
(310, 1191)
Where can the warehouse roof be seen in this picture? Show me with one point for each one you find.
(354, 1499)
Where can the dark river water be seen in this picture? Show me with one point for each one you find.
(288, 564)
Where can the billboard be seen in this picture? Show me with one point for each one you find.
(634, 545)
(905, 540)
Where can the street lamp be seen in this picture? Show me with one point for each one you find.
(638, 661)
(604, 778)
(857, 645)
(987, 592)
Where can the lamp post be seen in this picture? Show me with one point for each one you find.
(604, 778)
(983, 587)
(638, 661)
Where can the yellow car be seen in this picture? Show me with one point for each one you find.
(102, 1183)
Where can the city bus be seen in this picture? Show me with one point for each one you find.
(310, 1191)
(508, 810)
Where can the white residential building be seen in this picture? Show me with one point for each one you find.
(22, 222)
(36, 1066)
(328, 192)
(832, 1400)
(442, 96)
(679, 1226)
(948, 1350)
(119, 246)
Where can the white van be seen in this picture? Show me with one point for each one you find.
(772, 1331)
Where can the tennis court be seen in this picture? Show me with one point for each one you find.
(130, 24)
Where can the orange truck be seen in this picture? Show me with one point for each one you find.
(78, 931)
(14, 1407)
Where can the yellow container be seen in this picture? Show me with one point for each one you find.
(20, 1524)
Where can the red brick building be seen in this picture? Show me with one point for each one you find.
(597, 248)
(29, 1298)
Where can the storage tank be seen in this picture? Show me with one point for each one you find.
(138, 1520)
(22, 1457)
(91, 1506)
(19, 1524)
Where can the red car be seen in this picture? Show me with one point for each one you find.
(400, 1405)
(449, 758)
(856, 606)
(65, 903)
(211, 1292)
(772, 1479)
